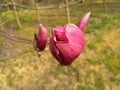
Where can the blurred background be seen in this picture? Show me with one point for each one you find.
(98, 66)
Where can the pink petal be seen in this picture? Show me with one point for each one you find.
(60, 36)
(54, 49)
(74, 34)
(42, 37)
(58, 28)
(82, 23)
(68, 52)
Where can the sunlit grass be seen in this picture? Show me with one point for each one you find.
(112, 64)
(99, 83)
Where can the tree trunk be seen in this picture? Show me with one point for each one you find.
(67, 11)
(16, 14)
(37, 11)
(1, 23)
(104, 2)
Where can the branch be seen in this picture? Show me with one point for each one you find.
(4, 23)
(41, 8)
(16, 14)
(67, 11)
(15, 38)
(5, 5)
(51, 7)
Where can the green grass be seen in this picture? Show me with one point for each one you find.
(112, 64)
(97, 24)
(92, 61)
(92, 46)
(114, 80)
(84, 87)
(9, 17)
(20, 76)
(76, 73)
(99, 83)
(36, 67)
(10, 81)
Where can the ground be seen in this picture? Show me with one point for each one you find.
(97, 68)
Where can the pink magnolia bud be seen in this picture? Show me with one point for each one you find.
(66, 43)
(40, 39)
(82, 23)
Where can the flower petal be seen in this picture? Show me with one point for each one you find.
(60, 36)
(54, 49)
(82, 23)
(74, 34)
(58, 28)
(68, 52)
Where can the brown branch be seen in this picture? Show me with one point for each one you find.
(104, 2)
(4, 23)
(37, 11)
(16, 14)
(1, 22)
(41, 8)
(51, 7)
(15, 38)
(5, 5)
(67, 11)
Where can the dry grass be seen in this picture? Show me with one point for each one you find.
(97, 68)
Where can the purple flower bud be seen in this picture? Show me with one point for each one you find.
(40, 39)
(66, 43)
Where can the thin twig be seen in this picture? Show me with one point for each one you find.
(4, 23)
(15, 38)
(24, 39)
